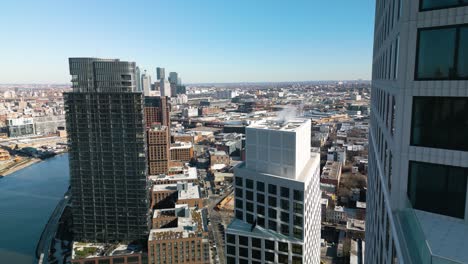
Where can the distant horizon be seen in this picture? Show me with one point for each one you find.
(213, 83)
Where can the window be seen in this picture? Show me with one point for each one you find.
(256, 254)
(243, 252)
(260, 209)
(231, 260)
(297, 232)
(427, 5)
(272, 225)
(297, 220)
(260, 186)
(231, 250)
(283, 258)
(285, 217)
(260, 198)
(261, 221)
(298, 195)
(249, 183)
(298, 208)
(249, 206)
(436, 51)
(239, 192)
(285, 230)
(239, 215)
(272, 201)
(440, 122)
(249, 195)
(283, 247)
(271, 213)
(442, 53)
(269, 245)
(284, 192)
(256, 242)
(297, 249)
(239, 181)
(231, 239)
(272, 189)
(244, 241)
(269, 256)
(439, 189)
(239, 204)
(297, 260)
(249, 218)
(285, 204)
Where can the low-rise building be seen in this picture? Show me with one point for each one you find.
(97, 253)
(331, 173)
(182, 151)
(183, 238)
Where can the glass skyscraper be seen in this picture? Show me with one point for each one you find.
(106, 134)
(418, 160)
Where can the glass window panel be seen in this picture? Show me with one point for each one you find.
(436, 53)
(260, 186)
(440, 122)
(435, 4)
(438, 188)
(462, 70)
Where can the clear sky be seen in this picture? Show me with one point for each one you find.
(203, 40)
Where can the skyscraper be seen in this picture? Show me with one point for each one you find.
(138, 79)
(157, 115)
(106, 133)
(165, 87)
(160, 73)
(173, 78)
(418, 152)
(277, 197)
(146, 83)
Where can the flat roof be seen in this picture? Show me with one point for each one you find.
(279, 124)
(83, 250)
(188, 225)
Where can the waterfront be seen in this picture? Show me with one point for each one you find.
(27, 199)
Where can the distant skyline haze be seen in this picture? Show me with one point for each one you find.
(204, 41)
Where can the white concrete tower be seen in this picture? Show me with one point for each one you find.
(277, 212)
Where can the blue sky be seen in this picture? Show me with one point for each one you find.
(203, 40)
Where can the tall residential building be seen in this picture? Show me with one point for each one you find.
(165, 88)
(159, 155)
(173, 77)
(418, 153)
(160, 73)
(146, 83)
(277, 197)
(138, 80)
(106, 135)
(157, 111)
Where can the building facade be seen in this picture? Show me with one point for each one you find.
(158, 150)
(157, 111)
(277, 197)
(106, 135)
(418, 154)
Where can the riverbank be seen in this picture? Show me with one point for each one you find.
(14, 166)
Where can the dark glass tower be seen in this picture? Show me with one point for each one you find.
(106, 134)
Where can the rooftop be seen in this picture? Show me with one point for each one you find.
(83, 250)
(279, 124)
(331, 170)
(181, 145)
(190, 223)
(186, 190)
(190, 173)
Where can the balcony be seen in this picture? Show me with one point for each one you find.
(432, 238)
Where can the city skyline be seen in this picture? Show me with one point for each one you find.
(267, 41)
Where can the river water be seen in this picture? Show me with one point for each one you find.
(27, 199)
